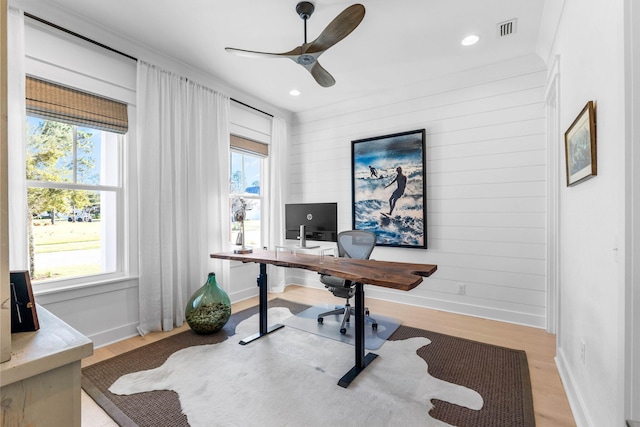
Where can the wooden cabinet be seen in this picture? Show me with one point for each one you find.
(40, 384)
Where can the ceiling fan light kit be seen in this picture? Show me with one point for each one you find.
(307, 53)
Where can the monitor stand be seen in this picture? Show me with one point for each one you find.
(303, 240)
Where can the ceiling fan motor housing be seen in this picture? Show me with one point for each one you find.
(306, 59)
(305, 9)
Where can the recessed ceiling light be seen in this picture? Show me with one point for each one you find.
(470, 40)
(294, 92)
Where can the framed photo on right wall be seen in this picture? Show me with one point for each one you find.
(580, 146)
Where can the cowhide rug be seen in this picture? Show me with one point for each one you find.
(289, 378)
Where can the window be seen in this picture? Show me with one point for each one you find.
(73, 191)
(74, 184)
(246, 181)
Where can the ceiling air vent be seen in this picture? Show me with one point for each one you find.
(506, 28)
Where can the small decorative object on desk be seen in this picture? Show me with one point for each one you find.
(209, 309)
(239, 215)
(24, 317)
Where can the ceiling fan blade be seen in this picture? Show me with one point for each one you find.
(254, 54)
(338, 29)
(308, 53)
(321, 75)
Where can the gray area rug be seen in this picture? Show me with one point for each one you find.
(499, 375)
(307, 321)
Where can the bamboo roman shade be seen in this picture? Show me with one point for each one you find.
(244, 144)
(55, 102)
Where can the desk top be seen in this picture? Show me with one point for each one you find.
(396, 275)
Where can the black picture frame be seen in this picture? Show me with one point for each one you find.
(24, 317)
(394, 209)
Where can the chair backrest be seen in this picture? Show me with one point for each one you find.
(356, 244)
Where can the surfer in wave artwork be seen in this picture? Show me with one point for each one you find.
(401, 179)
(388, 188)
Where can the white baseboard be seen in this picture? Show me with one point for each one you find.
(111, 336)
(576, 402)
(408, 298)
(243, 294)
(517, 318)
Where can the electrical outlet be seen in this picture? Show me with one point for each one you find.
(462, 289)
(583, 351)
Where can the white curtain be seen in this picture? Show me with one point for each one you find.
(183, 167)
(16, 122)
(277, 187)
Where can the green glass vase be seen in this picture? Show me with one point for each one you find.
(209, 308)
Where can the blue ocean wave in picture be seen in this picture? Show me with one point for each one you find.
(405, 226)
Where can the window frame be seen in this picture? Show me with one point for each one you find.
(119, 191)
(262, 158)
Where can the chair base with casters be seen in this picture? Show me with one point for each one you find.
(343, 289)
(347, 311)
(357, 244)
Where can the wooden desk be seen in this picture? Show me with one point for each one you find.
(395, 275)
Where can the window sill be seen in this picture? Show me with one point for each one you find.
(51, 292)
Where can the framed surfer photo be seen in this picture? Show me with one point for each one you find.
(388, 184)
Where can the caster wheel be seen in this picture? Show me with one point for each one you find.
(374, 326)
(343, 331)
(320, 319)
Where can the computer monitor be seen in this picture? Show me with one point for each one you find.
(320, 221)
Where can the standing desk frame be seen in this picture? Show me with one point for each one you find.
(395, 275)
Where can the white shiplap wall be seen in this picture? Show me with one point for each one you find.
(486, 184)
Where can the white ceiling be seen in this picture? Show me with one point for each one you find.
(398, 43)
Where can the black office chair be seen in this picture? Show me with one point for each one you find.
(351, 244)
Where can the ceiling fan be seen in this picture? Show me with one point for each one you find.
(307, 54)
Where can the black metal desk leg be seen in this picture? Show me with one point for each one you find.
(264, 329)
(360, 349)
(262, 285)
(361, 361)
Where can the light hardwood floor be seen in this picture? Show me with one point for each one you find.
(549, 398)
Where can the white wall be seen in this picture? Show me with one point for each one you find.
(590, 46)
(108, 311)
(5, 315)
(632, 392)
(486, 184)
